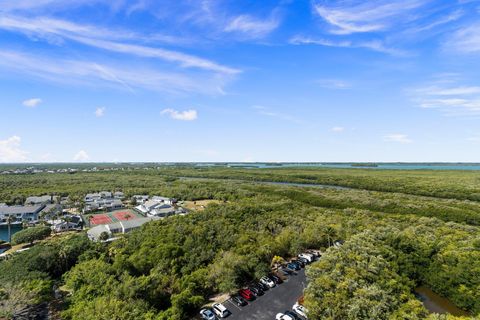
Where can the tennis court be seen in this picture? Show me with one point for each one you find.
(114, 216)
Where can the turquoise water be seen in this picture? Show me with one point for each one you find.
(4, 231)
(389, 166)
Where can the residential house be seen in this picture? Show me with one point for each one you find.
(120, 227)
(68, 222)
(41, 200)
(102, 201)
(152, 208)
(20, 214)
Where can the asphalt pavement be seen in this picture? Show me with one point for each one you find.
(277, 299)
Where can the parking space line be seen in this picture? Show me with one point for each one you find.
(233, 304)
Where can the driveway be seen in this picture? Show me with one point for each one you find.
(275, 300)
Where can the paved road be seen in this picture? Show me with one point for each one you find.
(275, 300)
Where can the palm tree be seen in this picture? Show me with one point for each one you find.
(330, 232)
(9, 222)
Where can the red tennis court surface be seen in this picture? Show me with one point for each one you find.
(100, 219)
(124, 215)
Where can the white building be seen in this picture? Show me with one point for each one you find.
(120, 227)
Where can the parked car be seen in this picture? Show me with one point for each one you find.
(301, 310)
(275, 278)
(293, 266)
(207, 314)
(220, 310)
(246, 294)
(286, 271)
(262, 286)
(293, 315)
(305, 261)
(300, 263)
(239, 301)
(256, 290)
(268, 282)
(306, 256)
(282, 316)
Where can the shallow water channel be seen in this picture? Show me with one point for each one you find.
(436, 303)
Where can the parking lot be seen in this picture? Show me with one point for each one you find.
(278, 299)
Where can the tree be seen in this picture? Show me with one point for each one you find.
(31, 234)
(10, 219)
(104, 236)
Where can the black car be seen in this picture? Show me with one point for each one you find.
(256, 290)
(292, 314)
(262, 286)
(239, 301)
(275, 279)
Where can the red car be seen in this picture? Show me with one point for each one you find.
(247, 294)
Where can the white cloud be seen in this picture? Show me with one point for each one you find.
(264, 111)
(338, 129)
(449, 95)
(465, 40)
(54, 30)
(353, 16)
(81, 156)
(251, 26)
(397, 137)
(333, 84)
(187, 115)
(31, 103)
(90, 73)
(375, 45)
(10, 150)
(100, 112)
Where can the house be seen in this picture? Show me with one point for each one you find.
(120, 227)
(41, 200)
(118, 195)
(69, 222)
(51, 211)
(152, 208)
(140, 198)
(102, 201)
(165, 200)
(20, 214)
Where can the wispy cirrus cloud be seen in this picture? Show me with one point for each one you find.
(353, 16)
(252, 27)
(375, 45)
(268, 112)
(56, 30)
(465, 39)
(118, 75)
(398, 138)
(333, 84)
(449, 95)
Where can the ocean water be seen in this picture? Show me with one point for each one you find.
(386, 166)
(4, 231)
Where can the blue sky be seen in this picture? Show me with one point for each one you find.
(218, 80)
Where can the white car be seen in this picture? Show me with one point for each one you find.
(267, 281)
(207, 314)
(220, 310)
(307, 256)
(301, 310)
(282, 316)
